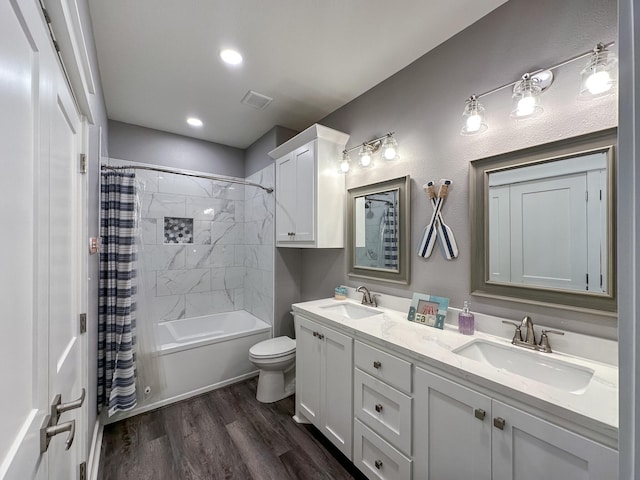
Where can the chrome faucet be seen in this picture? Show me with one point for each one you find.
(530, 336)
(367, 298)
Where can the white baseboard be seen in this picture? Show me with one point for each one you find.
(183, 396)
(93, 463)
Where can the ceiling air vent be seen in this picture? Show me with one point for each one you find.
(256, 100)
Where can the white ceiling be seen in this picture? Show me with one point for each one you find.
(159, 60)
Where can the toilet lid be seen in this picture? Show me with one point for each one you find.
(273, 347)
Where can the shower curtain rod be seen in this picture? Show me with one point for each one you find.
(180, 172)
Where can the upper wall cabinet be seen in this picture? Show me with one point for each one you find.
(310, 192)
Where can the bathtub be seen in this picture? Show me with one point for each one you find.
(203, 353)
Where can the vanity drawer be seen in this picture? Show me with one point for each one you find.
(383, 409)
(383, 366)
(376, 458)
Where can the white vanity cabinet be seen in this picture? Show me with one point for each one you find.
(460, 433)
(310, 192)
(324, 381)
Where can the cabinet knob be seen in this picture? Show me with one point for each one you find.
(480, 414)
(315, 334)
(499, 422)
(320, 336)
(378, 408)
(378, 464)
(377, 364)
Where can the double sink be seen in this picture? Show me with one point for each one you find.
(541, 367)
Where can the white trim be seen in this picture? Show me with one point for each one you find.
(93, 462)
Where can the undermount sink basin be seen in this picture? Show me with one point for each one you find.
(541, 367)
(352, 310)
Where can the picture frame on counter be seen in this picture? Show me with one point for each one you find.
(428, 310)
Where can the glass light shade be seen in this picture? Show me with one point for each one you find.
(390, 148)
(473, 116)
(526, 98)
(345, 163)
(365, 155)
(599, 75)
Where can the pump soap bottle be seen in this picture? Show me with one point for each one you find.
(466, 321)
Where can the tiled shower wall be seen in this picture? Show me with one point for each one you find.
(229, 265)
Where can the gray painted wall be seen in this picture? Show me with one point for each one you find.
(256, 156)
(146, 145)
(628, 238)
(423, 104)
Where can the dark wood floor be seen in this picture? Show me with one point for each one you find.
(224, 434)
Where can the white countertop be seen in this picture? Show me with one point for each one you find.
(595, 408)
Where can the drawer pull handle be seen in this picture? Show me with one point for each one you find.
(499, 422)
(378, 408)
(378, 464)
(377, 364)
(480, 414)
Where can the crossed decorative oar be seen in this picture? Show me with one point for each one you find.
(437, 227)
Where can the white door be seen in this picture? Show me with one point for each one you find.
(40, 205)
(304, 219)
(285, 198)
(452, 431)
(308, 355)
(528, 448)
(337, 389)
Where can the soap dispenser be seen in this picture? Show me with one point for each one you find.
(466, 321)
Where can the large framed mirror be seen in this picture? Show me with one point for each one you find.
(543, 224)
(378, 230)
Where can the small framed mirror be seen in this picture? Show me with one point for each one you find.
(543, 224)
(378, 230)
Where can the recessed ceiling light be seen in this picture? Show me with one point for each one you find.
(232, 57)
(194, 122)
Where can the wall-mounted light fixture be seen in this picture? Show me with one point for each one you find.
(598, 80)
(385, 144)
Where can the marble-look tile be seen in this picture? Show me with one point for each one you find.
(198, 304)
(146, 285)
(259, 233)
(159, 205)
(239, 257)
(149, 231)
(147, 180)
(218, 210)
(163, 257)
(183, 185)
(226, 233)
(171, 307)
(176, 282)
(201, 232)
(230, 191)
(265, 177)
(258, 208)
(259, 257)
(204, 256)
(238, 298)
(227, 278)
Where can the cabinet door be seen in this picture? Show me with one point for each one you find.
(305, 182)
(308, 371)
(337, 390)
(528, 448)
(285, 198)
(452, 432)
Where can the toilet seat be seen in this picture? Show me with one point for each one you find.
(273, 348)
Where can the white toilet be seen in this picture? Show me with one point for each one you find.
(276, 359)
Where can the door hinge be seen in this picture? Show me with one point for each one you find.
(82, 474)
(83, 163)
(83, 323)
(47, 18)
